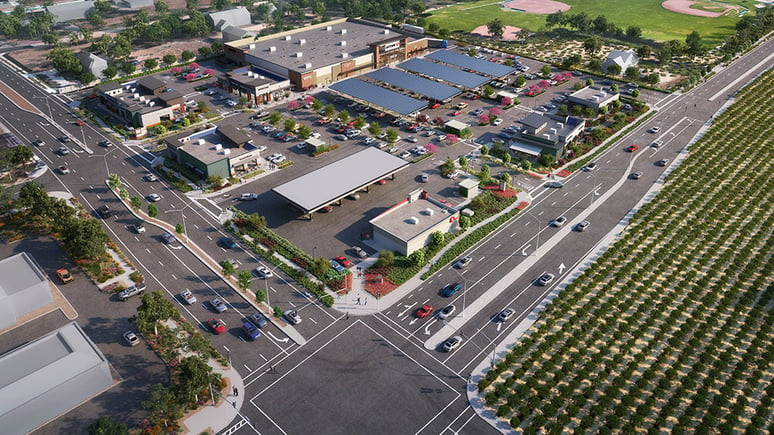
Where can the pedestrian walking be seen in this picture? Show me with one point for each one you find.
(366, 301)
(236, 391)
(347, 315)
(358, 301)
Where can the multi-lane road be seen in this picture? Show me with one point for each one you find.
(383, 373)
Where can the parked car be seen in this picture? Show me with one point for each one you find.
(64, 275)
(250, 330)
(452, 343)
(130, 291)
(581, 227)
(292, 317)
(546, 279)
(336, 266)
(259, 320)
(248, 197)
(342, 260)
(497, 121)
(216, 326)
(463, 262)
(636, 175)
(131, 338)
(424, 177)
(263, 272)
(558, 222)
(424, 311)
(188, 297)
(359, 252)
(218, 305)
(446, 312)
(451, 289)
(505, 314)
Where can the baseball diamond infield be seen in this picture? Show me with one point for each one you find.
(684, 7)
(510, 33)
(537, 6)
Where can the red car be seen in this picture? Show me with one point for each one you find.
(474, 97)
(342, 260)
(216, 326)
(435, 105)
(80, 123)
(632, 148)
(424, 311)
(456, 112)
(382, 181)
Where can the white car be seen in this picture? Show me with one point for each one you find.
(369, 140)
(260, 148)
(446, 312)
(131, 338)
(292, 317)
(505, 314)
(188, 297)
(154, 197)
(654, 129)
(248, 197)
(497, 121)
(218, 305)
(263, 272)
(278, 159)
(558, 222)
(452, 343)
(412, 139)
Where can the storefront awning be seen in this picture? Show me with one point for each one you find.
(527, 149)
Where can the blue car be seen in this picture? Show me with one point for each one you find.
(451, 289)
(336, 265)
(277, 134)
(227, 243)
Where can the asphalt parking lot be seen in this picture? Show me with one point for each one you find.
(134, 369)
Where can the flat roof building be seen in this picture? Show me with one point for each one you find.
(223, 151)
(47, 377)
(546, 134)
(141, 104)
(593, 96)
(23, 288)
(409, 225)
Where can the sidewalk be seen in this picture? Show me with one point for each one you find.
(214, 418)
(371, 305)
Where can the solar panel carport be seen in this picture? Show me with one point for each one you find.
(445, 73)
(335, 181)
(429, 88)
(378, 96)
(492, 69)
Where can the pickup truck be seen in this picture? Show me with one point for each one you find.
(136, 289)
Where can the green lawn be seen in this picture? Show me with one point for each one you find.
(656, 22)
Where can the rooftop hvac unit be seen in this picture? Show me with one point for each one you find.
(413, 220)
(299, 54)
(142, 99)
(286, 38)
(272, 49)
(249, 74)
(547, 136)
(252, 46)
(151, 103)
(308, 65)
(201, 141)
(595, 98)
(552, 131)
(328, 28)
(134, 90)
(386, 31)
(428, 211)
(218, 147)
(127, 87)
(301, 41)
(343, 43)
(226, 152)
(344, 55)
(121, 98)
(343, 31)
(135, 95)
(261, 77)
(560, 124)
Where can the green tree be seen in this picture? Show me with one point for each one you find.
(464, 222)
(496, 29)
(693, 43)
(169, 59)
(632, 73)
(375, 129)
(227, 268)
(614, 69)
(135, 202)
(521, 81)
(121, 47)
(320, 266)
(123, 193)
(360, 122)
(106, 426)
(330, 110)
(86, 77)
(304, 131)
(151, 63)
(114, 181)
(275, 118)
(179, 228)
(487, 91)
(161, 7)
(204, 51)
(260, 296)
(64, 60)
(84, 238)
(644, 51)
(438, 238)
(317, 105)
(463, 161)
(592, 46)
(187, 55)
(244, 278)
(95, 19)
(545, 70)
(102, 6)
(594, 65)
(50, 39)
(196, 25)
(34, 197)
(290, 125)
(633, 32)
(110, 72)
(386, 258)
(344, 116)
(506, 177)
(636, 93)
(484, 174)
(127, 68)
(6, 200)
(194, 376)
(153, 211)
(392, 135)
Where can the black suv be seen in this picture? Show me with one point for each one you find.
(104, 212)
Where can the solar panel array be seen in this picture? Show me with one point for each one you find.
(429, 88)
(492, 69)
(379, 96)
(443, 72)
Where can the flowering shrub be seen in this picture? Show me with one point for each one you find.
(431, 148)
(176, 70)
(506, 101)
(189, 76)
(483, 119)
(308, 99)
(192, 66)
(495, 111)
(293, 105)
(452, 139)
(545, 84)
(209, 72)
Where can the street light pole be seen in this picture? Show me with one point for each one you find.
(537, 234)
(593, 188)
(464, 291)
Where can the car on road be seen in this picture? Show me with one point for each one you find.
(558, 222)
(424, 177)
(188, 297)
(546, 279)
(79, 123)
(248, 197)
(38, 142)
(218, 305)
(451, 289)
(64, 139)
(250, 330)
(105, 143)
(632, 148)
(336, 266)
(64, 275)
(446, 312)
(359, 252)
(555, 184)
(63, 169)
(463, 262)
(227, 242)
(582, 226)
(424, 311)
(505, 315)
(104, 212)
(263, 272)
(654, 129)
(216, 326)
(168, 238)
(131, 338)
(259, 320)
(133, 290)
(342, 260)
(451, 343)
(590, 167)
(138, 227)
(412, 139)
(154, 197)
(63, 151)
(150, 177)
(657, 144)
(636, 175)
(662, 162)
(292, 317)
